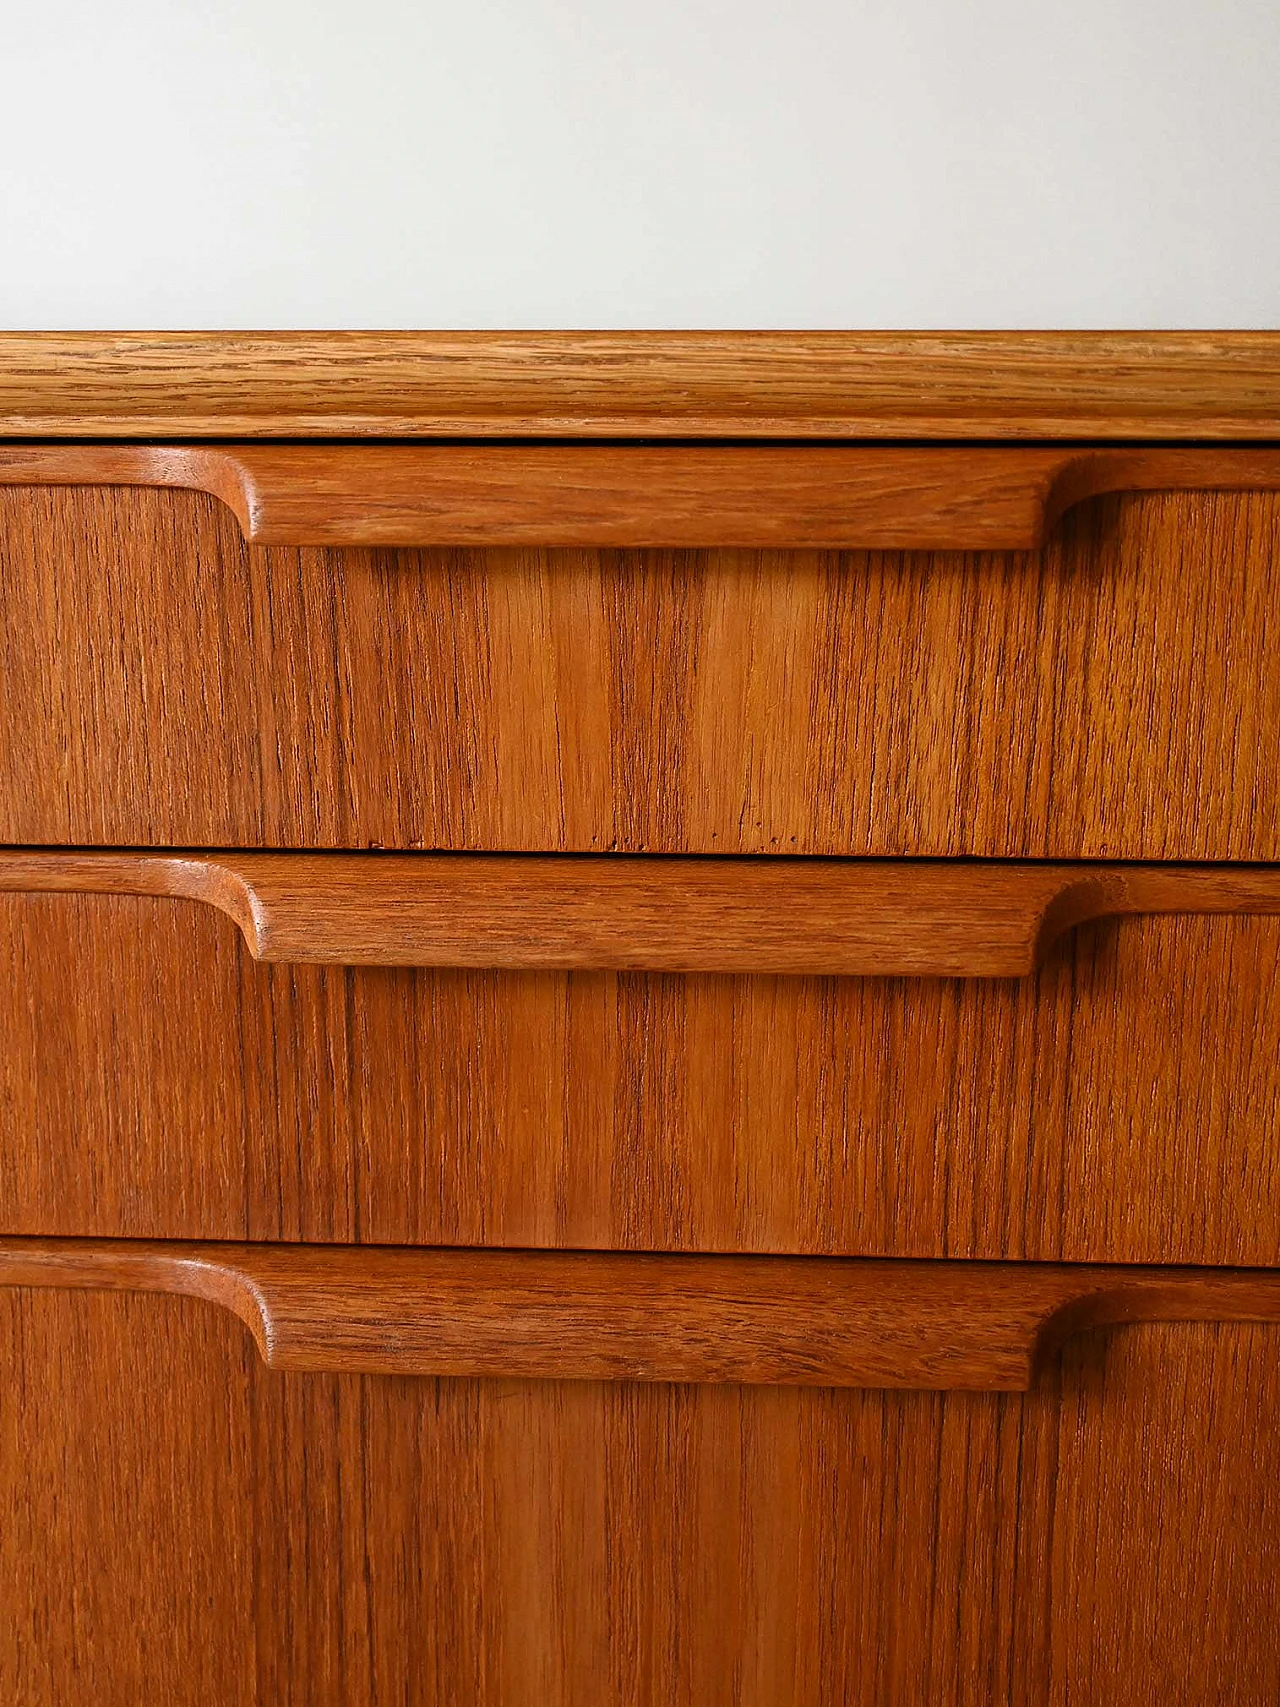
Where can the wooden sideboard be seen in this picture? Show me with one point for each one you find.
(640, 1056)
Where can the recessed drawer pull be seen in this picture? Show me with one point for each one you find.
(853, 496)
(806, 916)
(615, 1316)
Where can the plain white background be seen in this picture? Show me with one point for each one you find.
(653, 163)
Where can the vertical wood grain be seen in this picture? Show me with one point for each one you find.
(1111, 696)
(199, 1527)
(1122, 1105)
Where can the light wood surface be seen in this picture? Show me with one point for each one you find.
(600, 1315)
(198, 1528)
(1122, 1104)
(876, 497)
(860, 918)
(1113, 696)
(790, 385)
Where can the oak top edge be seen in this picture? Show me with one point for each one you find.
(715, 385)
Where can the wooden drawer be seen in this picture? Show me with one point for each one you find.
(1107, 695)
(345, 1537)
(1120, 1103)
(482, 1238)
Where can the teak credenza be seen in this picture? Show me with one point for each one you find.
(639, 1053)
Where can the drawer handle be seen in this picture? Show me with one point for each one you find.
(923, 918)
(837, 496)
(611, 1316)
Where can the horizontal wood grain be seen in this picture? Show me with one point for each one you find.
(872, 918)
(866, 497)
(1113, 696)
(614, 1316)
(934, 385)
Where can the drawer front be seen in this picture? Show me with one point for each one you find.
(1113, 694)
(468, 1277)
(342, 1538)
(1122, 1104)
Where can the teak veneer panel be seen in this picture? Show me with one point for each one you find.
(938, 498)
(1111, 696)
(789, 385)
(1121, 1105)
(862, 918)
(607, 1316)
(1042, 652)
(197, 1528)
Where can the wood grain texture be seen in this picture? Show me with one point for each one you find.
(860, 918)
(930, 385)
(609, 1316)
(878, 497)
(724, 654)
(1113, 696)
(324, 1539)
(1122, 1105)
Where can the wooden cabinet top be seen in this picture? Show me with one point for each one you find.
(668, 385)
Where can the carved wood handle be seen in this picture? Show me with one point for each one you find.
(611, 1316)
(925, 918)
(869, 496)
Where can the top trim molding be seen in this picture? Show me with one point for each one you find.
(623, 385)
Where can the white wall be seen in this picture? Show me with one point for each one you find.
(632, 163)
